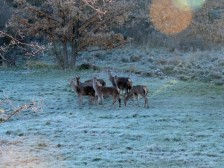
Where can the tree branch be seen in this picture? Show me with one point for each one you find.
(15, 42)
(21, 108)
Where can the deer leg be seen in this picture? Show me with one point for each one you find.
(135, 99)
(102, 99)
(146, 103)
(145, 98)
(92, 100)
(119, 100)
(80, 99)
(114, 100)
(125, 102)
(95, 99)
(98, 99)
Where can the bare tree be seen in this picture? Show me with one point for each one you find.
(74, 25)
(30, 49)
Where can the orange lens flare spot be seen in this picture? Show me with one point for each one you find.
(169, 19)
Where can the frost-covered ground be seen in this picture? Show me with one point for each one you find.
(183, 126)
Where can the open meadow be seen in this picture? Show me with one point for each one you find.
(183, 126)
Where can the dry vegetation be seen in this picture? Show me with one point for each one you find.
(184, 72)
(73, 26)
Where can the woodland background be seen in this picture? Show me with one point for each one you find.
(204, 32)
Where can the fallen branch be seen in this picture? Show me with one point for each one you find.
(21, 108)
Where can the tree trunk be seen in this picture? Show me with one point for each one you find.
(65, 55)
(58, 56)
(75, 43)
(75, 40)
(74, 56)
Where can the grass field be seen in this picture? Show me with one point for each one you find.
(183, 127)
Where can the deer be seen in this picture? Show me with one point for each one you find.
(136, 91)
(82, 90)
(123, 83)
(90, 82)
(103, 91)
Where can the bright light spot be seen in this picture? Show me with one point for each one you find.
(173, 16)
(168, 18)
(189, 4)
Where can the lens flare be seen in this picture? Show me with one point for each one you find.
(189, 4)
(169, 19)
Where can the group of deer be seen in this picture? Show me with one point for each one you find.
(96, 89)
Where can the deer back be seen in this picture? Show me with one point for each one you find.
(90, 82)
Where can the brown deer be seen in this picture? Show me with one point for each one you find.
(103, 91)
(82, 90)
(123, 83)
(136, 91)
